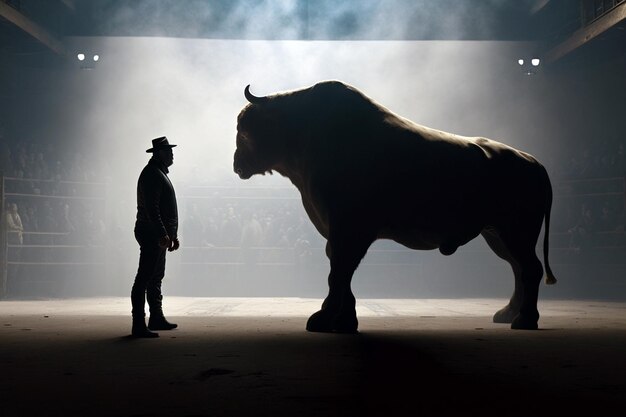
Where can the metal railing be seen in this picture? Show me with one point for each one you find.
(266, 256)
(11, 191)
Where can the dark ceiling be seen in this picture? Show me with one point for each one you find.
(311, 19)
(31, 27)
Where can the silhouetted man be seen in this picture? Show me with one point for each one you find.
(156, 230)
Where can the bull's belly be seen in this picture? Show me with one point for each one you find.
(417, 245)
(412, 239)
(420, 239)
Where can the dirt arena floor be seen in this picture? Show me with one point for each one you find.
(252, 357)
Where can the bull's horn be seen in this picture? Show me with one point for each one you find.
(252, 98)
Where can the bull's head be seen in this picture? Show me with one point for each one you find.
(258, 138)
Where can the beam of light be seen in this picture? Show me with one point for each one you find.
(535, 62)
(81, 57)
(192, 91)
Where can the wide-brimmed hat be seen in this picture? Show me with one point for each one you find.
(160, 143)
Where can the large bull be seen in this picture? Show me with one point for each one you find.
(365, 173)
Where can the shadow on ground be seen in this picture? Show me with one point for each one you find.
(396, 366)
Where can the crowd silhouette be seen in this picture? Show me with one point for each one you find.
(54, 197)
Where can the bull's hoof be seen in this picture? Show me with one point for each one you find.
(505, 315)
(523, 323)
(326, 322)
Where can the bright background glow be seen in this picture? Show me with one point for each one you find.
(192, 90)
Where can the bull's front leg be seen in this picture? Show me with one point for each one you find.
(338, 313)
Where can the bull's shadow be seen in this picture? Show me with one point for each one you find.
(365, 173)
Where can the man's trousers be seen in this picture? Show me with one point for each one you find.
(149, 275)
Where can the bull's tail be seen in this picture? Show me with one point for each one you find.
(550, 279)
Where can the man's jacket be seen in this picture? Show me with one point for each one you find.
(156, 201)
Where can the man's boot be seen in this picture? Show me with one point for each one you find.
(140, 329)
(155, 301)
(159, 322)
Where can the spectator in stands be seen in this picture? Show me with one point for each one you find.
(65, 225)
(31, 220)
(211, 233)
(15, 238)
(582, 233)
(283, 239)
(41, 167)
(15, 228)
(251, 238)
(47, 222)
(302, 251)
(6, 168)
(230, 231)
(193, 227)
(270, 231)
(607, 221)
(91, 228)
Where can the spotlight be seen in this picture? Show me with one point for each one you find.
(87, 60)
(529, 66)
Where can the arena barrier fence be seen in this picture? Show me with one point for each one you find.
(43, 255)
(49, 247)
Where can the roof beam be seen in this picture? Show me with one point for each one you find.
(584, 35)
(70, 4)
(32, 28)
(538, 5)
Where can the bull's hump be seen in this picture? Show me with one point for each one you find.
(425, 132)
(494, 149)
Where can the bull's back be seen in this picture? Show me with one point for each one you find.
(406, 181)
(413, 180)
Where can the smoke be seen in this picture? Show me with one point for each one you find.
(311, 19)
(191, 90)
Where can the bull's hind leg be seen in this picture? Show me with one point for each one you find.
(508, 312)
(338, 313)
(519, 242)
(532, 271)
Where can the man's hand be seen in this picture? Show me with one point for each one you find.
(174, 244)
(165, 242)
